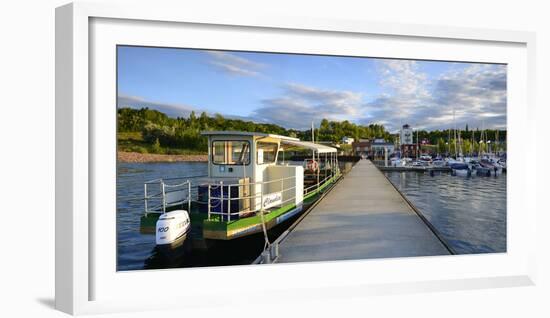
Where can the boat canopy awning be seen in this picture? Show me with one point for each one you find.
(306, 144)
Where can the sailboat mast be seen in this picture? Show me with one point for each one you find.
(313, 139)
(312, 133)
(459, 144)
(473, 143)
(497, 142)
(449, 140)
(483, 137)
(454, 131)
(417, 144)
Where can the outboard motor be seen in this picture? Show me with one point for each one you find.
(172, 227)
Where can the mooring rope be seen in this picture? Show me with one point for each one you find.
(266, 238)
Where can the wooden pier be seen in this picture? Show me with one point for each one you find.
(363, 217)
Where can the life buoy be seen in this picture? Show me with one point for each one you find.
(312, 165)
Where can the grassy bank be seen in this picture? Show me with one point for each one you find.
(132, 148)
(123, 156)
(133, 142)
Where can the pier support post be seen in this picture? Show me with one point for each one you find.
(266, 257)
(274, 251)
(385, 156)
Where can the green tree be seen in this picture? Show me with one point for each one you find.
(466, 146)
(156, 146)
(441, 146)
(193, 119)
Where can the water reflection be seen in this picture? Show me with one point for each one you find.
(469, 212)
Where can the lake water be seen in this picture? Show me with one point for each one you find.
(469, 212)
(133, 247)
(136, 250)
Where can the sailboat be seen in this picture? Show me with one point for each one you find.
(458, 165)
(486, 161)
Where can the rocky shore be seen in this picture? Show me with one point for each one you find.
(123, 156)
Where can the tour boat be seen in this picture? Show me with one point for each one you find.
(249, 188)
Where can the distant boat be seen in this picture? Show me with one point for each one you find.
(420, 163)
(426, 158)
(460, 169)
(502, 163)
(438, 162)
(479, 169)
(398, 162)
(493, 169)
(452, 161)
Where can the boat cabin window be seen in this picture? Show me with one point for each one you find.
(266, 152)
(230, 152)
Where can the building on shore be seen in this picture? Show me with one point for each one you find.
(406, 142)
(362, 147)
(347, 140)
(374, 149)
(379, 148)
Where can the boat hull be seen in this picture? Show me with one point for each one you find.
(220, 230)
(461, 172)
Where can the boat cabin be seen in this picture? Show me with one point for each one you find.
(248, 168)
(234, 154)
(249, 186)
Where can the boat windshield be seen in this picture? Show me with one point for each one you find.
(230, 152)
(266, 153)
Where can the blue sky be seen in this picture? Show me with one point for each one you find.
(293, 90)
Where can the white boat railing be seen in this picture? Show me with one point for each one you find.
(160, 195)
(219, 200)
(317, 185)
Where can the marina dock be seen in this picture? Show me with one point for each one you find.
(363, 216)
(414, 169)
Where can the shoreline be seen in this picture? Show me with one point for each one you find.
(136, 157)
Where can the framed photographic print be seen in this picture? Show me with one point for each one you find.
(238, 155)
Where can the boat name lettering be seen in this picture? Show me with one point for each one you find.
(272, 199)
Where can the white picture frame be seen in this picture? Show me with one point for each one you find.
(85, 284)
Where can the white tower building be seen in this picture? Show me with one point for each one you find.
(406, 135)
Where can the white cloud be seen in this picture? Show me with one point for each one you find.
(476, 93)
(403, 78)
(234, 70)
(300, 105)
(234, 65)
